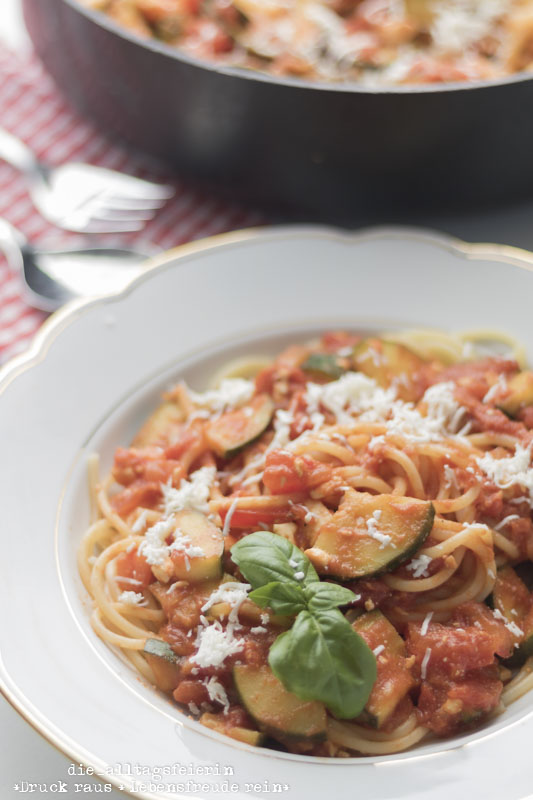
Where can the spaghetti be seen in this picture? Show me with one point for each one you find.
(375, 42)
(400, 468)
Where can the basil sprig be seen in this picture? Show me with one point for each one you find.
(321, 657)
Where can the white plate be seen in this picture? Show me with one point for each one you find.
(92, 375)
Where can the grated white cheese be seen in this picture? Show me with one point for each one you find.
(193, 708)
(154, 547)
(450, 478)
(299, 576)
(505, 521)
(215, 645)
(229, 515)
(379, 649)
(216, 692)
(183, 544)
(232, 393)
(140, 522)
(497, 388)
(232, 593)
(425, 662)
(356, 394)
(510, 471)
(132, 598)
(458, 24)
(293, 563)
(372, 528)
(419, 566)
(425, 624)
(511, 626)
(193, 492)
(131, 581)
(258, 629)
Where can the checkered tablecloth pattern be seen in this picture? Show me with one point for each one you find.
(32, 108)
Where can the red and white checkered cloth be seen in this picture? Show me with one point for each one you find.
(32, 108)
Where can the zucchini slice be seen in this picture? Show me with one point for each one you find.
(164, 663)
(389, 364)
(512, 599)
(370, 534)
(324, 365)
(520, 388)
(159, 426)
(217, 723)
(276, 711)
(197, 532)
(394, 678)
(232, 431)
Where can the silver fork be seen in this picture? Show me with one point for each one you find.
(84, 198)
(52, 277)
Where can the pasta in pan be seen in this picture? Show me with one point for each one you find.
(371, 41)
(331, 553)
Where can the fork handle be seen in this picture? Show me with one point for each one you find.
(19, 156)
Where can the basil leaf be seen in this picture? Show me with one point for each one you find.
(282, 598)
(264, 557)
(322, 658)
(323, 596)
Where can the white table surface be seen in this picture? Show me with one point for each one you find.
(24, 754)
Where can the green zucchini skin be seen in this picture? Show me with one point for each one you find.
(345, 550)
(394, 679)
(160, 649)
(511, 594)
(386, 361)
(277, 712)
(520, 394)
(324, 365)
(164, 662)
(235, 430)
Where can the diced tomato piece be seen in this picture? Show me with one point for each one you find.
(479, 616)
(286, 473)
(133, 566)
(148, 463)
(448, 708)
(138, 494)
(454, 651)
(332, 341)
(251, 518)
(191, 692)
(190, 438)
(177, 638)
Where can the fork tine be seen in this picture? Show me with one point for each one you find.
(109, 214)
(144, 190)
(101, 226)
(120, 203)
